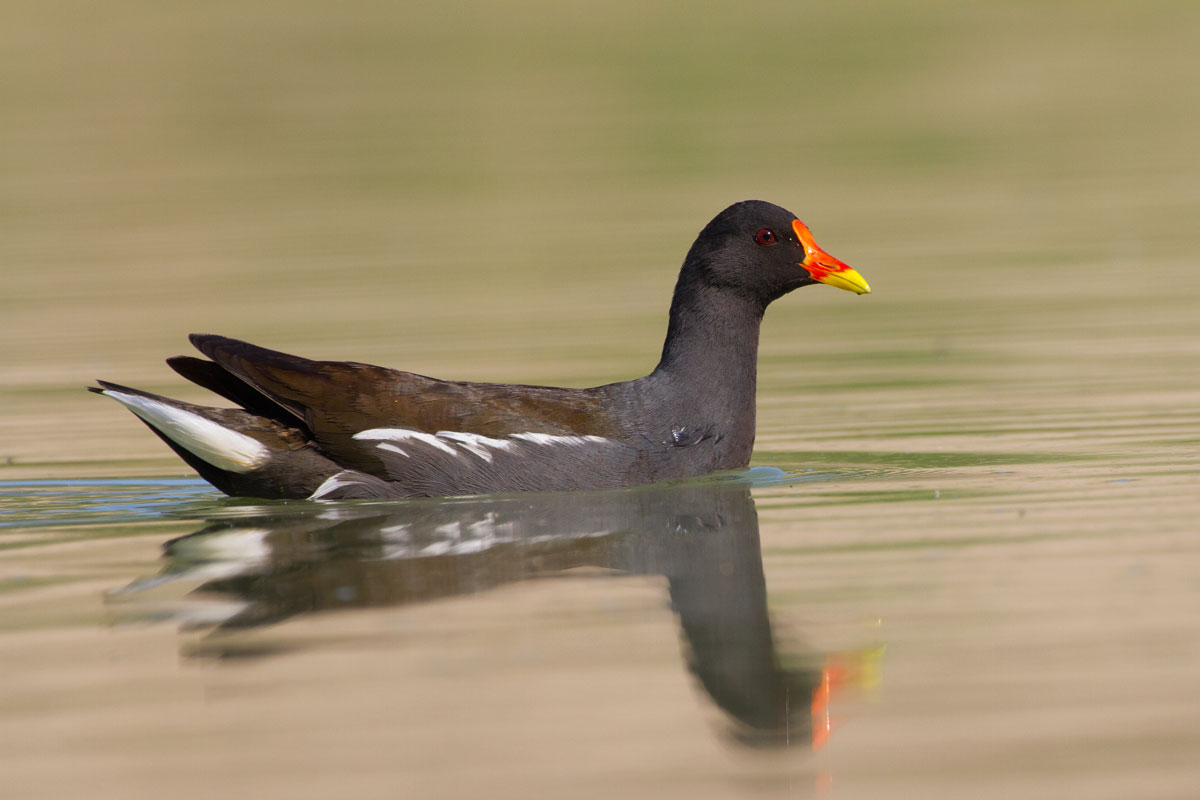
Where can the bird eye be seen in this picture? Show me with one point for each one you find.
(765, 237)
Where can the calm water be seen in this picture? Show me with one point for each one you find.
(965, 562)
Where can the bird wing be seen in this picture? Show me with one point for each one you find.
(344, 405)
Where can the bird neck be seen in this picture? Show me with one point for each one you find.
(712, 338)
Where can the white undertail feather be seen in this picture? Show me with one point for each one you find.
(223, 448)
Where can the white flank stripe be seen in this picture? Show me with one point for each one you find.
(456, 442)
(476, 443)
(335, 481)
(223, 448)
(551, 439)
(404, 434)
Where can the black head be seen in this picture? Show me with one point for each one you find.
(760, 250)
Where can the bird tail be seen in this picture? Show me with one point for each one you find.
(239, 452)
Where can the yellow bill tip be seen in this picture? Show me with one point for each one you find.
(824, 268)
(847, 279)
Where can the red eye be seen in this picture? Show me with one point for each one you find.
(765, 237)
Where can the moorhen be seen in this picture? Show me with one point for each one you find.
(339, 430)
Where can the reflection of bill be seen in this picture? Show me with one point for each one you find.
(273, 563)
(856, 670)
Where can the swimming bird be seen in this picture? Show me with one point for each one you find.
(343, 430)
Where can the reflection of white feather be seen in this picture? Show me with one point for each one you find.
(223, 448)
(242, 545)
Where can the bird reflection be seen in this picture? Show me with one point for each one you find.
(276, 562)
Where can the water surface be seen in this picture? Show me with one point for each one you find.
(965, 564)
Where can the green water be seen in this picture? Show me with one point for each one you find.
(973, 509)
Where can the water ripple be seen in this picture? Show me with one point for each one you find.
(33, 503)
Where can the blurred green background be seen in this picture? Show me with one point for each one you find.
(504, 191)
(1003, 435)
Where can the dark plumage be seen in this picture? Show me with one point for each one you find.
(335, 429)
